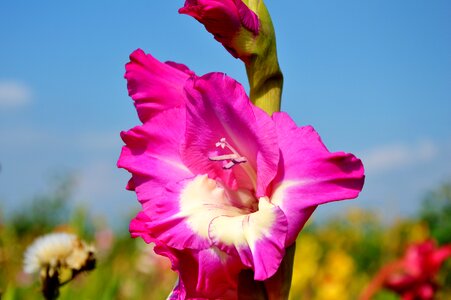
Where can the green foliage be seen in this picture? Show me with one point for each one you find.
(436, 212)
(386, 295)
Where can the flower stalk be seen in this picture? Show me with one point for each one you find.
(262, 68)
(265, 82)
(227, 188)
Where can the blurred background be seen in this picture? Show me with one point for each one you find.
(373, 78)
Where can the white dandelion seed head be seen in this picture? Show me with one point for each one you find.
(56, 250)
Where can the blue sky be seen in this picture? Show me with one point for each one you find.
(373, 77)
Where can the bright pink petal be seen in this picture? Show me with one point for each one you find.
(153, 85)
(218, 108)
(130, 185)
(425, 259)
(151, 153)
(310, 175)
(439, 256)
(223, 18)
(248, 18)
(174, 221)
(208, 273)
(257, 238)
(426, 291)
(181, 67)
(178, 293)
(205, 274)
(138, 227)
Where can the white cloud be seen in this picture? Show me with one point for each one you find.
(395, 156)
(14, 94)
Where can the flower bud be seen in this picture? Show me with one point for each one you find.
(235, 24)
(245, 29)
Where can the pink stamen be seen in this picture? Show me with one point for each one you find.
(232, 159)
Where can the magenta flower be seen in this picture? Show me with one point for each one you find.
(415, 276)
(223, 186)
(231, 22)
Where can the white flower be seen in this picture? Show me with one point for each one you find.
(57, 250)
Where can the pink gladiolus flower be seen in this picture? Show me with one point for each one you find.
(231, 22)
(413, 276)
(418, 268)
(223, 186)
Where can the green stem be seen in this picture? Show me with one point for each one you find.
(265, 81)
(263, 70)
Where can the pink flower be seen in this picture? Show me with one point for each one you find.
(223, 186)
(231, 22)
(413, 276)
(414, 279)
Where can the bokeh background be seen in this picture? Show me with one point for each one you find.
(373, 78)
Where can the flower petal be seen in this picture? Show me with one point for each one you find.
(225, 19)
(257, 238)
(205, 274)
(151, 153)
(208, 273)
(217, 108)
(248, 18)
(138, 227)
(153, 85)
(309, 175)
(439, 256)
(180, 216)
(175, 218)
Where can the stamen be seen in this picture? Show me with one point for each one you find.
(222, 143)
(233, 159)
(223, 157)
(239, 160)
(228, 165)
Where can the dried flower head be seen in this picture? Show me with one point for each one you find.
(56, 252)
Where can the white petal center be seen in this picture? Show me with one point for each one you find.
(244, 229)
(202, 200)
